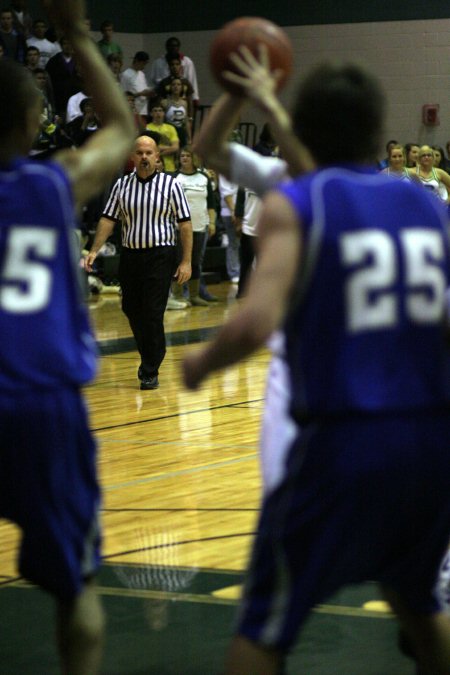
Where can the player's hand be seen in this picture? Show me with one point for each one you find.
(254, 76)
(183, 273)
(89, 261)
(191, 371)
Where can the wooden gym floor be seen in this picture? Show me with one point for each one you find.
(181, 489)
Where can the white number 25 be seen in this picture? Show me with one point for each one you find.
(371, 302)
(25, 278)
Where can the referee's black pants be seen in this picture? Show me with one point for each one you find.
(145, 275)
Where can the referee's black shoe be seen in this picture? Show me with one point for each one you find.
(149, 382)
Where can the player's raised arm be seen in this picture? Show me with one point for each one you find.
(266, 301)
(211, 143)
(92, 167)
(259, 84)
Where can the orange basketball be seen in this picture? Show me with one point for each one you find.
(250, 31)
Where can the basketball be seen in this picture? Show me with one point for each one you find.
(250, 31)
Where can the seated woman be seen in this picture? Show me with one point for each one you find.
(431, 177)
(82, 127)
(176, 111)
(396, 163)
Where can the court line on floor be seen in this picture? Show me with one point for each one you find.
(178, 510)
(177, 414)
(145, 594)
(172, 544)
(179, 472)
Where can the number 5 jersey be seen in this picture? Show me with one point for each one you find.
(46, 340)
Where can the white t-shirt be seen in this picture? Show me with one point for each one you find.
(252, 211)
(46, 48)
(73, 106)
(135, 81)
(195, 187)
(226, 189)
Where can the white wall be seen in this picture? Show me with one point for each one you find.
(411, 58)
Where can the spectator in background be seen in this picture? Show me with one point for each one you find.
(169, 143)
(228, 193)
(87, 123)
(133, 79)
(13, 42)
(412, 154)
(160, 67)
(139, 120)
(43, 84)
(176, 70)
(32, 56)
(447, 159)
(22, 20)
(439, 157)
(198, 190)
(64, 76)
(176, 111)
(266, 144)
(46, 48)
(107, 45)
(74, 106)
(46, 140)
(115, 64)
(396, 167)
(384, 163)
(433, 179)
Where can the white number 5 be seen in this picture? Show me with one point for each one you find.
(25, 280)
(370, 297)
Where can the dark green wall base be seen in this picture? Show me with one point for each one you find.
(141, 16)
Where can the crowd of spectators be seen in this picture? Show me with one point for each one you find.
(163, 94)
(165, 98)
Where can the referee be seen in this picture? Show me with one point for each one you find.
(151, 207)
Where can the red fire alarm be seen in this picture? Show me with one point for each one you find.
(430, 114)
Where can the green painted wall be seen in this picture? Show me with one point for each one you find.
(160, 16)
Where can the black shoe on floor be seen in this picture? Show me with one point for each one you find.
(149, 382)
(206, 295)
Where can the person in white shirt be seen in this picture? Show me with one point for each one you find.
(73, 106)
(160, 66)
(46, 48)
(133, 79)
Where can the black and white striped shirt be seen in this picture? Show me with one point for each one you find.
(149, 209)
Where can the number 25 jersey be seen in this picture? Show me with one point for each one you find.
(366, 331)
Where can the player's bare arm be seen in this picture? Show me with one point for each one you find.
(267, 300)
(92, 167)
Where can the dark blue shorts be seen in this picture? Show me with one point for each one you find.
(48, 487)
(363, 499)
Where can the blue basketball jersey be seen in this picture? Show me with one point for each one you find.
(366, 331)
(46, 340)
